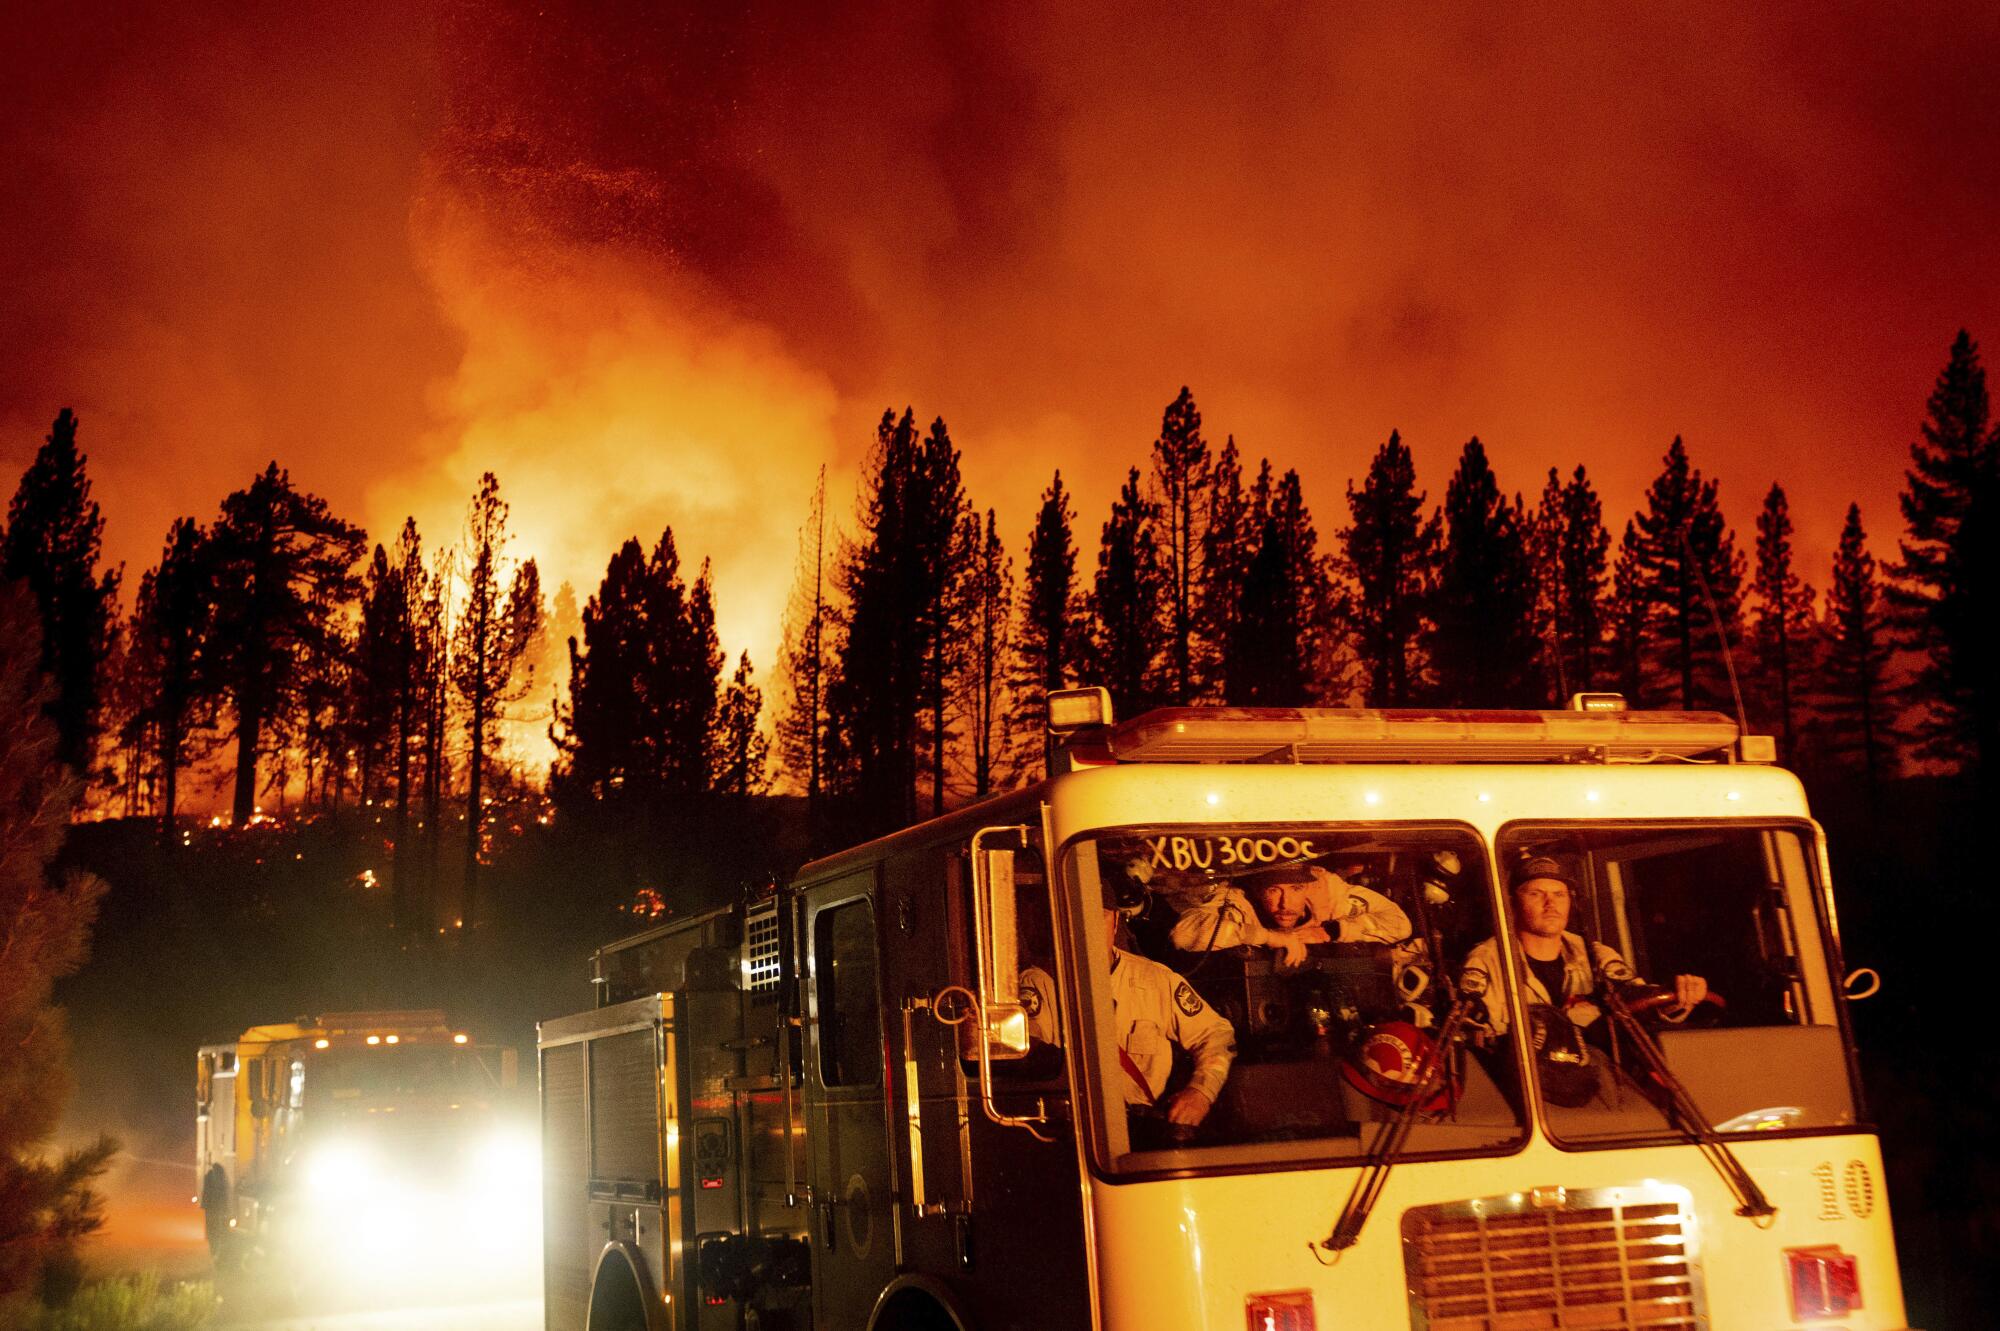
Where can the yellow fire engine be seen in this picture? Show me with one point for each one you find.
(1277, 1019)
(362, 1150)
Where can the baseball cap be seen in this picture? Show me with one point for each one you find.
(1544, 866)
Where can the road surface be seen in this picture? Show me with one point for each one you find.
(517, 1315)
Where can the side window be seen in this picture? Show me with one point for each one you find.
(850, 1019)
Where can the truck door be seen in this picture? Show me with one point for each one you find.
(854, 1233)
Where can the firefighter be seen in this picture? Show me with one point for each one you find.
(1287, 907)
(1154, 1011)
(1563, 969)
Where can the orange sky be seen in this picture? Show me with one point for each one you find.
(655, 268)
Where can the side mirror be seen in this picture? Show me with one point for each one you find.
(996, 922)
(510, 1068)
(260, 1088)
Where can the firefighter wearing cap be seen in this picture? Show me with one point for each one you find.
(1562, 967)
(1286, 907)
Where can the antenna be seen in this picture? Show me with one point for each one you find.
(1715, 618)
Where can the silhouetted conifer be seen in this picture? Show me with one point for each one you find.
(807, 639)
(1631, 613)
(1684, 542)
(284, 577)
(1180, 489)
(605, 734)
(170, 660)
(741, 751)
(498, 623)
(1228, 546)
(53, 538)
(1049, 640)
(1571, 548)
(1281, 633)
(898, 578)
(943, 548)
(1389, 558)
(1785, 618)
(1854, 690)
(1484, 651)
(1948, 580)
(989, 594)
(1127, 606)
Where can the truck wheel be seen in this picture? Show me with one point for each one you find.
(616, 1303)
(222, 1246)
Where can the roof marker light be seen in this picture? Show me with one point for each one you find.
(393, 1039)
(374, 1039)
(1485, 797)
(1372, 797)
(1590, 795)
(459, 1038)
(1214, 797)
(321, 1043)
(1734, 795)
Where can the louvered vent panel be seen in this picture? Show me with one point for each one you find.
(1611, 1259)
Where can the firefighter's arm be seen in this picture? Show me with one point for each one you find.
(1480, 979)
(1223, 920)
(1209, 1040)
(1364, 915)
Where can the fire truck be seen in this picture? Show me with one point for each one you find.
(1233, 1022)
(358, 1151)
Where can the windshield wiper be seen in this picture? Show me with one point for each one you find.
(1752, 1203)
(1381, 1157)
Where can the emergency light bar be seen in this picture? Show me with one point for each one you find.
(1332, 735)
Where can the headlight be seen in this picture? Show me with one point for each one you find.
(340, 1170)
(508, 1161)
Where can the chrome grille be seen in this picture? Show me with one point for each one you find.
(1607, 1259)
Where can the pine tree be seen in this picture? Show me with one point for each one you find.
(53, 538)
(1632, 614)
(412, 667)
(741, 752)
(1126, 606)
(1785, 620)
(942, 545)
(496, 629)
(1483, 646)
(1180, 495)
(898, 581)
(990, 595)
(1854, 677)
(1687, 559)
(1389, 557)
(604, 733)
(1228, 546)
(284, 576)
(1571, 548)
(1281, 632)
(46, 1205)
(1048, 643)
(1948, 580)
(170, 659)
(801, 726)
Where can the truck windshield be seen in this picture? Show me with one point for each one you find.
(409, 1072)
(1710, 936)
(1273, 992)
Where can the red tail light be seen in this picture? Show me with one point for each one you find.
(1825, 1282)
(1290, 1310)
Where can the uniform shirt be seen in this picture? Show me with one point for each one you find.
(1349, 912)
(1581, 966)
(1152, 1010)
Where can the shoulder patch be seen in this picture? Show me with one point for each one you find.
(1186, 999)
(1031, 1000)
(1357, 905)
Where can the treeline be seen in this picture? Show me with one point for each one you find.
(271, 641)
(913, 666)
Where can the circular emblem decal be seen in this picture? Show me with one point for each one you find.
(860, 1220)
(1186, 999)
(1031, 1000)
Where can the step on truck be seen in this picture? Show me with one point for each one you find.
(1293, 1020)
